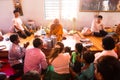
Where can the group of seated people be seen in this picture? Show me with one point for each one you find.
(56, 28)
(62, 63)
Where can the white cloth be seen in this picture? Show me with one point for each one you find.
(105, 53)
(34, 60)
(96, 27)
(18, 22)
(61, 63)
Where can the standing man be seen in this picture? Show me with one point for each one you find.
(18, 25)
(34, 58)
(15, 56)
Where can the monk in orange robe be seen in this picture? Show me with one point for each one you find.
(56, 29)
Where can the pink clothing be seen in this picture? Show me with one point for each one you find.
(96, 27)
(34, 60)
(106, 52)
(61, 63)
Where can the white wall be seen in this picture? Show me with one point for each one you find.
(34, 9)
(6, 8)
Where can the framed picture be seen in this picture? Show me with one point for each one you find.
(18, 6)
(100, 5)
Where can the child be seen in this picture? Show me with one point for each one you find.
(87, 71)
(76, 65)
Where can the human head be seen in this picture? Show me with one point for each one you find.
(67, 49)
(57, 50)
(60, 46)
(31, 75)
(16, 13)
(2, 76)
(37, 43)
(99, 18)
(14, 38)
(107, 68)
(108, 43)
(88, 57)
(79, 47)
(56, 21)
(114, 36)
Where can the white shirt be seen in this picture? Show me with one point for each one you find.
(96, 27)
(61, 63)
(18, 22)
(105, 53)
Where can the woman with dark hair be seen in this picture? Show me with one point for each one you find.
(74, 58)
(60, 63)
(107, 68)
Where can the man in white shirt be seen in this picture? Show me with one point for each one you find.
(97, 27)
(18, 25)
(108, 44)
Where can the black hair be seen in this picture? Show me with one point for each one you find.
(115, 36)
(79, 47)
(13, 38)
(88, 57)
(31, 75)
(56, 51)
(108, 43)
(16, 10)
(37, 42)
(61, 46)
(67, 49)
(108, 67)
(99, 16)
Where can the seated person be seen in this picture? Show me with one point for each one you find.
(108, 44)
(19, 27)
(107, 68)
(97, 27)
(56, 29)
(87, 71)
(60, 63)
(74, 57)
(16, 54)
(35, 59)
(115, 36)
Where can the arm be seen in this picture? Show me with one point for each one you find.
(43, 62)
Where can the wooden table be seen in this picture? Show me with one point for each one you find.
(97, 42)
(6, 42)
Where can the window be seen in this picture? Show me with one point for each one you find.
(63, 9)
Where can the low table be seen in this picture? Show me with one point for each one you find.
(97, 42)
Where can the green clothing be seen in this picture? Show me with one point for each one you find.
(87, 74)
(74, 55)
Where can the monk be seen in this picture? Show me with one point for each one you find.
(56, 29)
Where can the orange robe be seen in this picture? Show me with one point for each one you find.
(57, 30)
